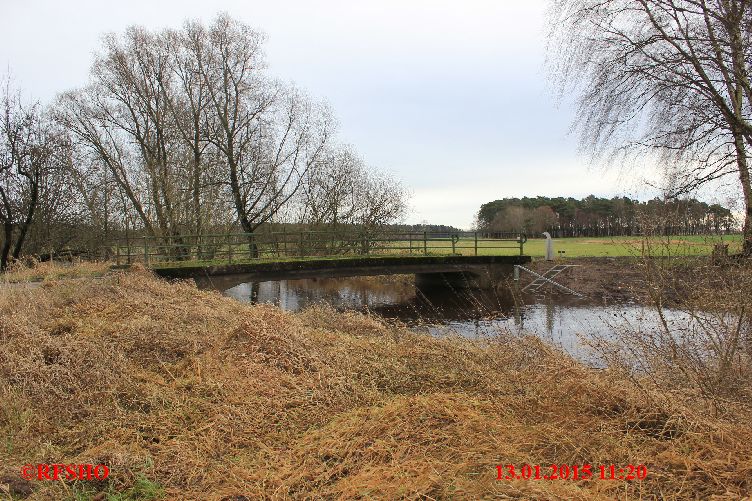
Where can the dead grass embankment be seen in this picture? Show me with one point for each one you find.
(210, 398)
(36, 271)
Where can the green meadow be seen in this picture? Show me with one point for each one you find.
(602, 246)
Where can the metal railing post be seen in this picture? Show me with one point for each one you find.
(146, 251)
(117, 252)
(425, 243)
(476, 243)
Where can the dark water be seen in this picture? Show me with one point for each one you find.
(562, 320)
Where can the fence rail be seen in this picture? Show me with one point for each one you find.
(242, 247)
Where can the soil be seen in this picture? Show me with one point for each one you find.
(612, 279)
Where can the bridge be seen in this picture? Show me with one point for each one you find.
(481, 272)
(461, 260)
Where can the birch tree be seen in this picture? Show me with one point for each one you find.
(665, 77)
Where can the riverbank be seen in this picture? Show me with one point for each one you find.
(615, 280)
(610, 279)
(187, 394)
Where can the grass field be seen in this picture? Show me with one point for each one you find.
(595, 247)
(633, 246)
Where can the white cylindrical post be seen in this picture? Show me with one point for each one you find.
(549, 246)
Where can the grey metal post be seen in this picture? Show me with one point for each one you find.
(476, 243)
(425, 243)
(146, 251)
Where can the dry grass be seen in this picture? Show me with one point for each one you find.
(211, 398)
(31, 270)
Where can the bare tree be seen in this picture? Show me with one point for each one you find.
(145, 119)
(268, 136)
(189, 107)
(193, 133)
(119, 119)
(330, 192)
(663, 76)
(28, 149)
(342, 191)
(511, 219)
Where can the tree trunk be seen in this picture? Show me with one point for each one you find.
(240, 208)
(744, 178)
(28, 220)
(5, 251)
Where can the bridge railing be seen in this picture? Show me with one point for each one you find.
(286, 245)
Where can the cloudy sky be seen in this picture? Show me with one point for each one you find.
(451, 97)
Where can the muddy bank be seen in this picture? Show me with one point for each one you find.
(636, 280)
(607, 278)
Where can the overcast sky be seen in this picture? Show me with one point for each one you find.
(449, 96)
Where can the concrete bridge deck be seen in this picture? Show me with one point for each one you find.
(460, 271)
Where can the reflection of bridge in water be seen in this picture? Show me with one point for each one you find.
(462, 272)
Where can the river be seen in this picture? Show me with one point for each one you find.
(562, 320)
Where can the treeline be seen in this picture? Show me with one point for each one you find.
(598, 217)
(178, 132)
(428, 228)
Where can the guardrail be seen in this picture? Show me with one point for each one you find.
(242, 247)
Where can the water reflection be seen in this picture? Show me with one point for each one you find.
(560, 320)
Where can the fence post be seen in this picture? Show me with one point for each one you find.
(410, 236)
(117, 251)
(300, 249)
(522, 243)
(425, 243)
(476, 243)
(146, 251)
(251, 246)
(229, 249)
